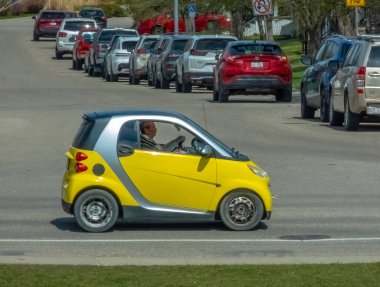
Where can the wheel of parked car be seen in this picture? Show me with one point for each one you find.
(107, 75)
(156, 82)
(91, 71)
(113, 77)
(178, 85)
(215, 93)
(157, 30)
(58, 55)
(35, 37)
(351, 120)
(324, 108)
(306, 111)
(186, 86)
(241, 210)
(79, 65)
(223, 94)
(165, 83)
(96, 210)
(73, 64)
(335, 118)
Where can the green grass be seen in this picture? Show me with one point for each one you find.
(328, 275)
(16, 16)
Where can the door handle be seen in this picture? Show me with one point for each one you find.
(374, 74)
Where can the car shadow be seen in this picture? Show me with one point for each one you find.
(44, 40)
(70, 224)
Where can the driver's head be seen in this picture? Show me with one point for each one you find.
(148, 128)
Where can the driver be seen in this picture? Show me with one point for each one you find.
(148, 132)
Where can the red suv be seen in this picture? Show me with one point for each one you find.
(252, 67)
(82, 45)
(47, 23)
(164, 23)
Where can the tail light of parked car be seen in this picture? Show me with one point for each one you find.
(140, 51)
(194, 52)
(79, 165)
(360, 80)
(62, 34)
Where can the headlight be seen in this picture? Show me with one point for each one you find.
(258, 171)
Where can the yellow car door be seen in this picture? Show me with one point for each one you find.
(172, 179)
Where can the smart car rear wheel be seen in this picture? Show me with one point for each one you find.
(96, 210)
(241, 210)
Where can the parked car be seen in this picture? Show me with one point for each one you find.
(110, 175)
(195, 65)
(95, 13)
(164, 23)
(165, 58)
(355, 89)
(316, 78)
(68, 32)
(47, 23)
(82, 45)
(139, 58)
(252, 67)
(117, 59)
(100, 45)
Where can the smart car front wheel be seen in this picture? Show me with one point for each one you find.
(96, 210)
(241, 210)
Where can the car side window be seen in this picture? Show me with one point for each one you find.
(128, 138)
(319, 55)
(374, 57)
(348, 56)
(165, 44)
(355, 56)
(331, 51)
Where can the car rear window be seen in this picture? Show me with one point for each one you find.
(374, 57)
(106, 36)
(179, 45)
(149, 44)
(88, 133)
(128, 45)
(255, 49)
(53, 15)
(91, 13)
(77, 25)
(211, 44)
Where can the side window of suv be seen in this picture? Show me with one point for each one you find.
(321, 51)
(349, 56)
(374, 57)
(165, 44)
(331, 51)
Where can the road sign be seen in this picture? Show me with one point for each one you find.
(262, 7)
(355, 3)
(192, 10)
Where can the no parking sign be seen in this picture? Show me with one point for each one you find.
(262, 7)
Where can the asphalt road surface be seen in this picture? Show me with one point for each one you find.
(325, 181)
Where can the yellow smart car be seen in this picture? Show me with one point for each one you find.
(150, 164)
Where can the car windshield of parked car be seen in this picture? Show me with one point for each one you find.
(53, 15)
(128, 45)
(374, 57)
(179, 45)
(106, 36)
(88, 35)
(77, 25)
(212, 44)
(240, 50)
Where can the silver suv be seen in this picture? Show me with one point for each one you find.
(195, 65)
(355, 89)
(68, 32)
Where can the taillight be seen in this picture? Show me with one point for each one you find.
(283, 60)
(197, 53)
(360, 80)
(80, 167)
(81, 156)
(140, 51)
(62, 34)
(104, 18)
(171, 56)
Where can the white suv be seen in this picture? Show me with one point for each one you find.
(195, 65)
(355, 89)
(68, 32)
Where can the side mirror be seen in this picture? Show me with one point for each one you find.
(306, 60)
(206, 150)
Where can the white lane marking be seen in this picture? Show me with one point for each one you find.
(184, 240)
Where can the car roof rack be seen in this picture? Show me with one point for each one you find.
(369, 37)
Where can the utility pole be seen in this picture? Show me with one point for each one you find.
(175, 17)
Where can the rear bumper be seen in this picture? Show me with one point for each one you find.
(67, 207)
(48, 33)
(257, 83)
(204, 79)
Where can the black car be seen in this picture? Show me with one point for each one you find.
(316, 78)
(94, 13)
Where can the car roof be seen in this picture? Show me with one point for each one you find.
(77, 19)
(91, 8)
(213, 36)
(131, 112)
(128, 38)
(248, 42)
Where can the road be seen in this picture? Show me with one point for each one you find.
(325, 181)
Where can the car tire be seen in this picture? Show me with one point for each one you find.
(335, 118)
(186, 86)
(103, 69)
(165, 83)
(113, 77)
(96, 210)
(178, 85)
(79, 65)
(73, 64)
(351, 120)
(306, 111)
(91, 71)
(36, 37)
(324, 107)
(223, 94)
(156, 82)
(241, 210)
(107, 76)
(58, 55)
(158, 30)
(215, 94)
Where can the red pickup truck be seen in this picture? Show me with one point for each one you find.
(164, 23)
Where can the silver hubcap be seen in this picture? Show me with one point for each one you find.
(96, 211)
(241, 210)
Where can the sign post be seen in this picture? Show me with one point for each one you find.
(356, 4)
(192, 12)
(262, 8)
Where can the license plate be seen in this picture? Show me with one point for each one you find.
(257, 64)
(53, 24)
(373, 110)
